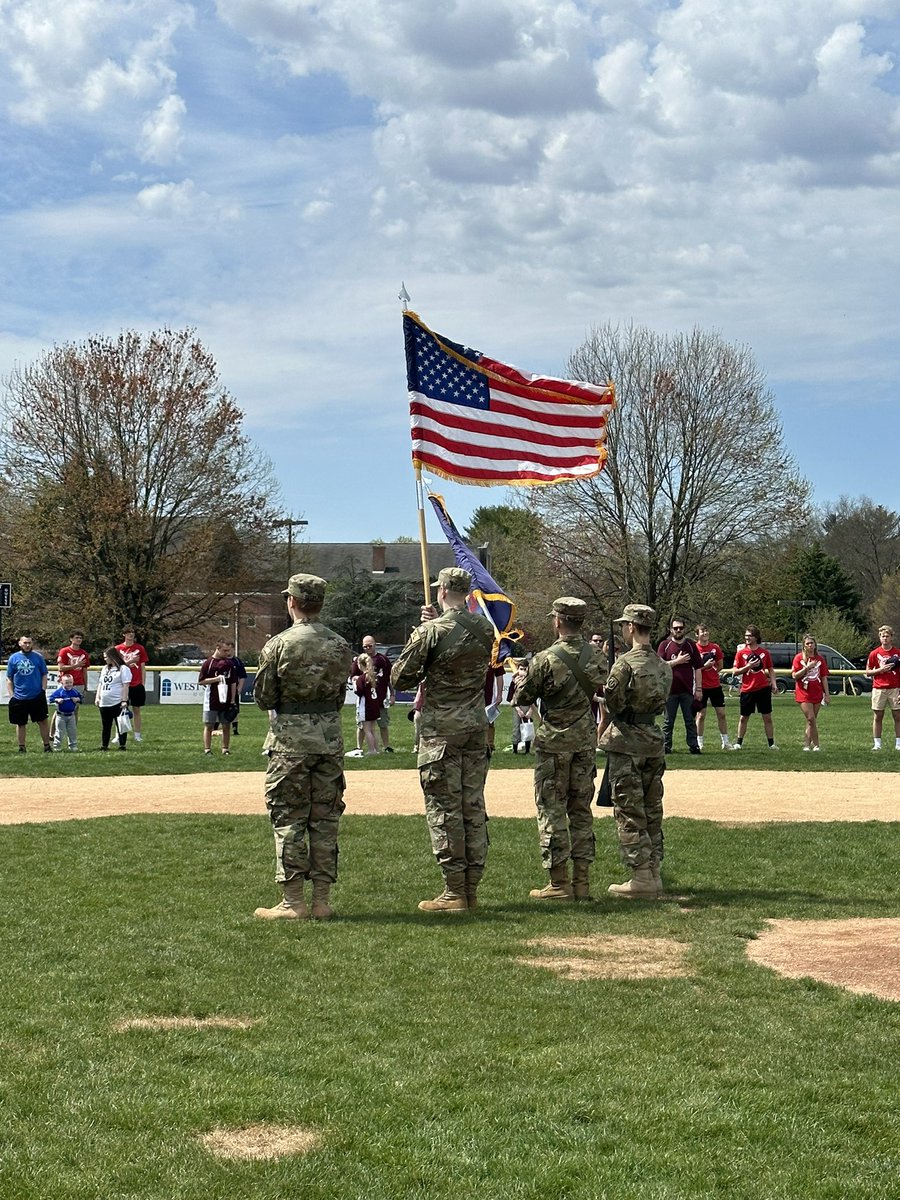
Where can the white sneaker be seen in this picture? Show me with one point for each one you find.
(876, 749)
(737, 746)
(726, 744)
(138, 738)
(809, 747)
(700, 742)
(354, 754)
(816, 748)
(773, 747)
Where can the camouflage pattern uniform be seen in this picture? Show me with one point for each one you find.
(453, 757)
(565, 764)
(302, 680)
(636, 693)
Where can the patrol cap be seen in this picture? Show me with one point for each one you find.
(308, 589)
(637, 614)
(455, 579)
(570, 608)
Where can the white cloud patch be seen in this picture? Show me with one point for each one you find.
(161, 132)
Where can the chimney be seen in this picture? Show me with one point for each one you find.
(378, 560)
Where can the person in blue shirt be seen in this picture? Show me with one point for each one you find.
(67, 699)
(26, 682)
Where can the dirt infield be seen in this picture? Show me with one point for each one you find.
(731, 797)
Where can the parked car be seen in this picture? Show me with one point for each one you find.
(783, 658)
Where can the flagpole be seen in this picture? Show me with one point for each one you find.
(423, 538)
(403, 297)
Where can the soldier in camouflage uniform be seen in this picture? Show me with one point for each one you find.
(451, 653)
(301, 680)
(564, 677)
(636, 693)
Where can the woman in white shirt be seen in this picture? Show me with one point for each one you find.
(112, 694)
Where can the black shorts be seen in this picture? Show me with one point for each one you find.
(714, 696)
(23, 711)
(759, 701)
(137, 695)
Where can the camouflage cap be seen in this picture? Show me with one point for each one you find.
(455, 579)
(570, 608)
(308, 589)
(638, 614)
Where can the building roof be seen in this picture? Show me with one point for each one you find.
(384, 560)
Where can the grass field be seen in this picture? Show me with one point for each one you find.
(173, 745)
(432, 1063)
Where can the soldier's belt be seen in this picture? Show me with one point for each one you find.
(314, 706)
(636, 718)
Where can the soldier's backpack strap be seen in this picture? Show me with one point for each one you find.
(465, 623)
(576, 666)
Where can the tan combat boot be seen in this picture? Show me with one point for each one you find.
(452, 898)
(558, 888)
(641, 886)
(581, 885)
(292, 906)
(473, 878)
(657, 876)
(321, 910)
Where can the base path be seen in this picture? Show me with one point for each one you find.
(731, 797)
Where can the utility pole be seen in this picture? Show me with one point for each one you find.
(289, 523)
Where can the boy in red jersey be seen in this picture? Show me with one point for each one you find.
(754, 666)
(711, 682)
(136, 658)
(884, 666)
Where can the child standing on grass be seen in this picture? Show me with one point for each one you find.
(809, 671)
(368, 706)
(66, 698)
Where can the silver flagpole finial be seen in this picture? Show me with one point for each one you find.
(404, 295)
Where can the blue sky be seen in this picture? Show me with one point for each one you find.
(268, 171)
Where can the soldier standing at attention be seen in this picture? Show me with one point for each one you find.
(636, 693)
(301, 680)
(451, 653)
(565, 678)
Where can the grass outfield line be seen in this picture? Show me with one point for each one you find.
(173, 745)
(433, 1063)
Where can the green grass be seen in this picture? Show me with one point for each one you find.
(434, 1064)
(173, 744)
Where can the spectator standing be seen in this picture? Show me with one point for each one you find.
(753, 664)
(219, 676)
(451, 653)
(135, 658)
(302, 681)
(565, 678)
(26, 683)
(112, 695)
(67, 699)
(368, 705)
(686, 688)
(74, 659)
(636, 693)
(711, 682)
(521, 713)
(241, 672)
(809, 671)
(385, 689)
(883, 664)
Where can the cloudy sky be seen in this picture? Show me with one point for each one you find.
(268, 171)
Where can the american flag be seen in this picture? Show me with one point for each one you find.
(476, 420)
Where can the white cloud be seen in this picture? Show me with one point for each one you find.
(162, 131)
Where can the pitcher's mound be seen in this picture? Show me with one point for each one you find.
(605, 957)
(859, 955)
(261, 1141)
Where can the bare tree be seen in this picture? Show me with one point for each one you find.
(865, 539)
(139, 496)
(697, 472)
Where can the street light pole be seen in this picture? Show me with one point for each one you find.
(796, 605)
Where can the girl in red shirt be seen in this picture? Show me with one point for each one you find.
(809, 670)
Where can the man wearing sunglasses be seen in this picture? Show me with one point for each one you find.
(686, 662)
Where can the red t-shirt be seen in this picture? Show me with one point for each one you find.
(75, 662)
(709, 676)
(135, 657)
(758, 678)
(811, 689)
(876, 660)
